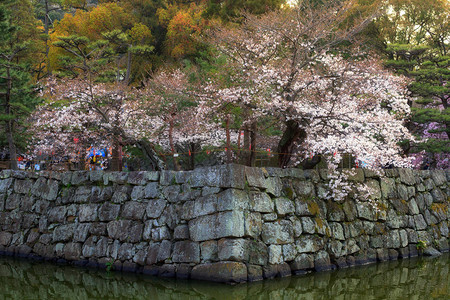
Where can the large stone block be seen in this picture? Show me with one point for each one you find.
(125, 230)
(63, 233)
(302, 262)
(253, 224)
(261, 202)
(255, 177)
(439, 177)
(72, 251)
(308, 243)
(209, 251)
(23, 186)
(388, 188)
(210, 227)
(407, 176)
(227, 272)
(224, 176)
(186, 252)
(109, 212)
(284, 206)
(155, 208)
(133, 210)
(233, 249)
(46, 189)
(280, 232)
(87, 213)
(232, 199)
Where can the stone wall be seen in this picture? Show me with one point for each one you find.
(226, 223)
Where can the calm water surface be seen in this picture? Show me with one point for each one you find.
(417, 278)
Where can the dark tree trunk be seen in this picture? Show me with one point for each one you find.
(252, 156)
(311, 163)
(116, 161)
(151, 154)
(227, 130)
(192, 156)
(247, 148)
(293, 134)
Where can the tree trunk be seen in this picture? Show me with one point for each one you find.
(293, 134)
(227, 128)
(192, 156)
(176, 165)
(157, 163)
(116, 161)
(311, 163)
(252, 156)
(246, 149)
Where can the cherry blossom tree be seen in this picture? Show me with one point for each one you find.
(100, 115)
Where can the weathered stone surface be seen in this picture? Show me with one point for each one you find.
(151, 190)
(224, 176)
(255, 273)
(125, 230)
(88, 213)
(280, 232)
(275, 254)
(393, 239)
(155, 208)
(439, 177)
(22, 186)
(420, 222)
(63, 233)
(407, 176)
(302, 262)
(186, 252)
(5, 238)
(209, 251)
(133, 210)
(388, 188)
(308, 225)
(233, 249)
(304, 188)
(46, 189)
(289, 252)
(137, 194)
(308, 243)
(164, 251)
(322, 261)
(57, 214)
(337, 231)
(365, 211)
(284, 206)
(255, 177)
(229, 272)
(81, 233)
(224, 224)
(181, 232)
(171, 193)
(261, 202)
(79, 177)
(273, 186)
(252, 224)
(109, 212)
(72, 251)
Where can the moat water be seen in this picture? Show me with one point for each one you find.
(416, 278)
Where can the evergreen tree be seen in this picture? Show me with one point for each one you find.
(17, 94)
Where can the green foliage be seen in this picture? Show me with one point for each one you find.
(18, 96)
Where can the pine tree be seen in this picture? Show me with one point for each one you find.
(17, 94)
(430, 72)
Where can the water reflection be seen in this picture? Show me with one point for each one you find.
(420, 278)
